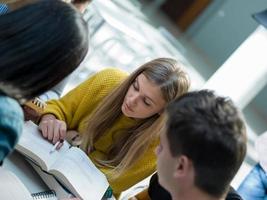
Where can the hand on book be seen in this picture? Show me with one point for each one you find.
(68, 170)
(53, 129)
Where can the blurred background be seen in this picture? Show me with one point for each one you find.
(200, 33)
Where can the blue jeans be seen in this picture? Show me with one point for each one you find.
(254, 186)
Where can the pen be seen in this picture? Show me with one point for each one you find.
(55, 146)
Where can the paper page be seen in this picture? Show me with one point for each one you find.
(52, 183)
(11, 187)
(34, 146)
(86, 180)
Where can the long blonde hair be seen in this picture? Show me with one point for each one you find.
(166, 73)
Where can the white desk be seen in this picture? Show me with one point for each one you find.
(24, 171)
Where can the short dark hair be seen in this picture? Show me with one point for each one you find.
(40, 44)
(210, 131)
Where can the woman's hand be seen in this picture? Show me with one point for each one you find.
(53, 129)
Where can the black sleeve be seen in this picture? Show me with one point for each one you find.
(233, 195)
(157, 192)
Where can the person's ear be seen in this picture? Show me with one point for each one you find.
(183, 167)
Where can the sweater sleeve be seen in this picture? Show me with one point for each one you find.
(82, 100)
(11, 124)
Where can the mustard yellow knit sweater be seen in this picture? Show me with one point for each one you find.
(78, 104)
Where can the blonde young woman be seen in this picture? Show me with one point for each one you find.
(118, 117)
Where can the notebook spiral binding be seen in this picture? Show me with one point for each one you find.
(44, 195)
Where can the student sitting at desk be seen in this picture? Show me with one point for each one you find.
(204, 119)
(201, 147)
(35, 55)
(119, 118)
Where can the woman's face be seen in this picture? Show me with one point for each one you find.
(143, 99)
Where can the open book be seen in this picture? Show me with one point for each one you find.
(71, 166)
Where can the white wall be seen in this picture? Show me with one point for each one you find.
(223, 26)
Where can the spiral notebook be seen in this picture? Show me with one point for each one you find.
(46, 195)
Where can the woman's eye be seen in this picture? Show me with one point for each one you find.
(135, 86)
(146, 103)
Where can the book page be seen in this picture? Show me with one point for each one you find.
(35, 147)
(11, 187)
(52, 183)
(80, 175)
